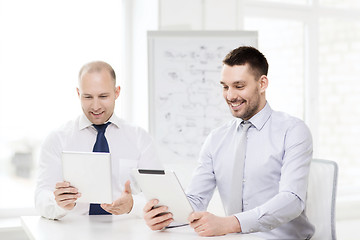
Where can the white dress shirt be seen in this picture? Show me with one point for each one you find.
(278, 155)
(130, 147)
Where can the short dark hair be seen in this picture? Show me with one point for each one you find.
(248, 55)
(97, 66)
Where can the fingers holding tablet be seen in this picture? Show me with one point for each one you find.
(66, 195)
(157, 217)
(163, 190)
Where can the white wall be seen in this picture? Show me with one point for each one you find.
(141, 16)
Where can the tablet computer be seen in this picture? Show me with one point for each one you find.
(90, 173)
(164, 186)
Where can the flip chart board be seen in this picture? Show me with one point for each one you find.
(185, 94)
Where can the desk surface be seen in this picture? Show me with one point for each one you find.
(108, 227)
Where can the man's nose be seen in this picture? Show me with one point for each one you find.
(96, 104)
(230, 95)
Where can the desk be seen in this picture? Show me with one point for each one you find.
(109, 228)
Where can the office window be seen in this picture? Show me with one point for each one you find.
(339, 113)
(282, 43)
(43, 45)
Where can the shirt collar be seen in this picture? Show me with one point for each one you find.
(259, 119)
(84, 122)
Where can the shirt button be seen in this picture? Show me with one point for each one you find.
(244, 180)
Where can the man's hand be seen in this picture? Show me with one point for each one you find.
(156, 218)
(122, 205)
(66, 195)
(207, 224)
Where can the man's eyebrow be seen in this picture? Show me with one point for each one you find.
(233, 83)
(89, 94)
(239, 82)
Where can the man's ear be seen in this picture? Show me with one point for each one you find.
(117, 92)
(263, 81)
(78, 92)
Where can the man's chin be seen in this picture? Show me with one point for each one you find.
(236, 114)
(97, 121)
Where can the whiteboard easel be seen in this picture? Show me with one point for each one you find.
(185, 95)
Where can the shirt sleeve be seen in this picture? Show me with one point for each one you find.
(203, 183)
(138, 205)
(289, 203)
(282, 208)
(46, 205)
(48, 176)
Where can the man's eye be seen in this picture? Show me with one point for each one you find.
(239, 87)
(225, 87)
(103, 96)
(87, 97)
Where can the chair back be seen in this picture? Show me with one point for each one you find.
(321, 197)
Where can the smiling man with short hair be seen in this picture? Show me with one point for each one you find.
(129, 146)
(270, 151)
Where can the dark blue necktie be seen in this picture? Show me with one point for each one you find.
(101, 145)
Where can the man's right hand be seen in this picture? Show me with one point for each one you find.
(157, 218)
(66, 195)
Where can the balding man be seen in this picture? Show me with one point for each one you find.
(130, 147)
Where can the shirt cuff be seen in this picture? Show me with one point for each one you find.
(81, 208)
(249, 221)
(138, 205)
(48, 207)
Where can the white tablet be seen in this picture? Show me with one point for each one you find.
(90, 173)
(164, 186)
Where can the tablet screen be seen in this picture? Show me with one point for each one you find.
(90, 173)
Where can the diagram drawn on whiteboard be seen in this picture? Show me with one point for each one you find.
(186, 100)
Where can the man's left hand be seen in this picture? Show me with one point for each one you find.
(121, 205)
(207, 224)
